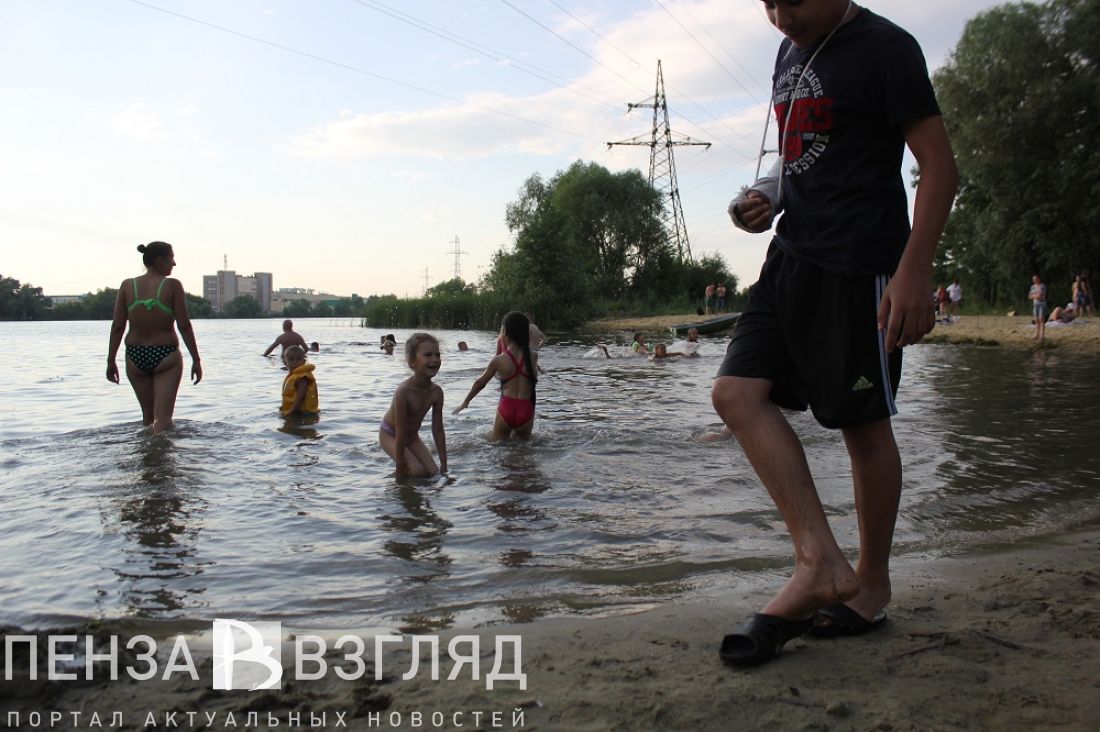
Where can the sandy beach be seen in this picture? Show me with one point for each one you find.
(983, 330)
(1004, 639)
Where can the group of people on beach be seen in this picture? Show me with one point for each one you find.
(1079, 305)
(843, 288)
(714, 298)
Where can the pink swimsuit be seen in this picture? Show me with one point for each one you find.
(514, 411)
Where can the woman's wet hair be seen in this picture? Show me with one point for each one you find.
(518, 329)
(412, 345)
(153, 251)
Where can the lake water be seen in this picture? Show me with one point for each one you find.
(613, 506)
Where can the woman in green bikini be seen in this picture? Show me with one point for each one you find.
(152, 304)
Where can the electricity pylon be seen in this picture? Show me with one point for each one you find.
(662, 164)
(457, 252)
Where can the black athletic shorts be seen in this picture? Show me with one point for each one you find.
(814, 335)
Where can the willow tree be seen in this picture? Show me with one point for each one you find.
(585, 236)
(1021, 98)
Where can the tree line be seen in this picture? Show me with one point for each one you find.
(588, 242)
(20, 301)
(1020, 95)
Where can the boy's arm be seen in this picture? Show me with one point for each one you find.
(903, 312)
(755, 207)
(437, 431)
(299, 396)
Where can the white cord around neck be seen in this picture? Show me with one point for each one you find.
(790, 106)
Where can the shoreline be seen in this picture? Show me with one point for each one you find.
(1013, 331)
(1004, 638)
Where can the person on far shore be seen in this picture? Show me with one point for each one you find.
(300, 385)
(720, 298)
(286, 339)
(1081, 300)
(955, 295)
(153, 362)
(708, 299)
(942, 298)
(1061, 314)
(399, 432)
(516, 367)
(825, 325)
(1038, 296)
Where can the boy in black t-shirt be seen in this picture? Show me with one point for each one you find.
(844, 286)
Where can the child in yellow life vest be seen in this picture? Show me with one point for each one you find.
(300, 386)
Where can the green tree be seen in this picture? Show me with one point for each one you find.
(242, 306)
(21, 301)
(198, 307)
(300, 308)
(586, 235)
(1021, 98)
(100, 305)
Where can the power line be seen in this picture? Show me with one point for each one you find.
(706, 51)
(687, 9)
(568, 42)
(634, 62)
(362, 71)
(480, 48)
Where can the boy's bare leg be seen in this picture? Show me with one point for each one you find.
(822, 575)
(876, 475)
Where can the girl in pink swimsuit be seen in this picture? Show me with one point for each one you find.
(517, 368)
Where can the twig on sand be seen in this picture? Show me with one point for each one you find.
(944, 641)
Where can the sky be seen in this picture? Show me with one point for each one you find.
(344, 145)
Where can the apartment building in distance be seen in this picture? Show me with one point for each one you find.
(221, 288)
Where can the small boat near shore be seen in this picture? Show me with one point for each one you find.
(714, 325)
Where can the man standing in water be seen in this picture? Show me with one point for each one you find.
(287, 339)
(843, 288)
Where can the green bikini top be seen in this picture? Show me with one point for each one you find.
(151, 302)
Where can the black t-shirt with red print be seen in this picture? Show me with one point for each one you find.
(844, 202)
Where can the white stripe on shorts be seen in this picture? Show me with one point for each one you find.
(883, 358)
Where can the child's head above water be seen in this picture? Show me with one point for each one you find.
(517, 328)
(660, 350)
(421, 351)
(294, 357)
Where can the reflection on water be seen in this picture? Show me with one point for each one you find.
(613, 505)
(152, 507)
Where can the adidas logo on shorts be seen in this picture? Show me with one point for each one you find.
(862, 383)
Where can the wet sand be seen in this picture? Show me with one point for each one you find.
(984, 330)
(1004, 639)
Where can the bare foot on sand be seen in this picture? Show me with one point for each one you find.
(812, 587)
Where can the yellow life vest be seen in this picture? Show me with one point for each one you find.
(290, 389)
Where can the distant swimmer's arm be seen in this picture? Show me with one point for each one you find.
(272, 347)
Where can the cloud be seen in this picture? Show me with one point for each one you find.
(408, 175)
(465, 63)
(138, 124)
